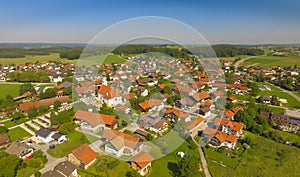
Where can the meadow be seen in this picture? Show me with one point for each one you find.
(266, 61)
(9, 89)
(264, 158)
(31, 58)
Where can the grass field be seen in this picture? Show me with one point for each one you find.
(161, 167)
(292, 102)
(18, 134)
(27, 59)
(119, 171)
(264, 158)
(88, 61)
(265, 61)
(10, 123)
(74, 141)
(9, 89)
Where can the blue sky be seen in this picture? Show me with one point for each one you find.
(227, 21)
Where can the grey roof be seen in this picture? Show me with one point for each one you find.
(16, 148)
(56, 136)
(43, 132)
(52, 174)
(65, 168)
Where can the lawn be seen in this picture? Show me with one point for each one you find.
(264, 158)
(10, 123)
(18, 133)
(292, 102)
(75, 139)
(162, 166)
(27, 59)
(9, 89)
(119, 171)
(265, 61)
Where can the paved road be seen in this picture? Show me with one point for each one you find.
(236, 64)
(287, 91)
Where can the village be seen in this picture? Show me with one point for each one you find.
(125, 109)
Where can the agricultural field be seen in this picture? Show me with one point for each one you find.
(9, 89)
(265, 61)
(27, 59)
(88, 61)
(264, 158)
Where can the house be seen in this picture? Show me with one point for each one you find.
(119, 143)
(224, 139)
(172, 114)
(4, 139)
(180, 89)
(60, 138)
(204, 112)
(109, 95)
(201, 96)
(217, 94)
(63, 169)
(229, 126)
(237, 109)
(24, 107)
(195, 124)
(94, 122)
(22, 150)
(141, 163)
(83, 156)
(143, 91)
(160, 127)
(233, 99)
(123, 108)
(228, 114)
(44, 135)
(64, 85)
(218, 138)
(141, 133)
(47, 135)
(266, 99)
(151, 105)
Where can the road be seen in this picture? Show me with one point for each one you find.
(287, 91)
(236, 64)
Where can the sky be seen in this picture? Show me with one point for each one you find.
(227, 21)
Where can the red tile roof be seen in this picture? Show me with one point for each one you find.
(46, 102)
(94, 118)
(177, 112)
(85, 154)
(195, 123)
(201, 96)
(237, 126)
(222, 136)
(108, 92)
(142, 159)
(150, 103)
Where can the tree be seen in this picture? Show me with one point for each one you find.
(43, 109)
(28, 87)
(57, 104)
(9, 164)
(17, 115)
(3, 129)
(49, 93)
(32, 112)
(167, 90)
(67, 91)
(188, 167)
(132, 174)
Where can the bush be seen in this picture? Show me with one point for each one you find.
(37, 174)
(34, 163)
(113, 164)
(101, 168)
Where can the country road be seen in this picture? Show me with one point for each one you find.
(236, 64)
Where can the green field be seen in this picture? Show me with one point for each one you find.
(91, 60)
(265, 61)
(27, 59)
(74, 141)
(264, 158)
(161, 166)
(18, 134)
(292, 102)
(9, 89)
(119, 171)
